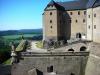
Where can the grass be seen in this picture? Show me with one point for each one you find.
(39, 44)
(17, 36)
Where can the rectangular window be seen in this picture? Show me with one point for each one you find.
(94, 15)
(76, 21)
(89, 26)
(50, 21)
(89, 16)
(50, 13)
(84, 12)
(78, 12)
(71, 13)
(51, 27)
(94, 26)
(83, 20)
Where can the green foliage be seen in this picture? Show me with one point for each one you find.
(4, 48)
(4, 53)
(7, 62)
(23, 31)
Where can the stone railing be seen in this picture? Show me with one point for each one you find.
(54, 44)
(29, 54)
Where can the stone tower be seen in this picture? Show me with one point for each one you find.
(53, 19)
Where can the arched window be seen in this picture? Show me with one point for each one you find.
(71, 50)
(72, 74)
(50, 69)
(83, 48)
(78, 35)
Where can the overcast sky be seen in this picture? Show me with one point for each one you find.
(22, 14)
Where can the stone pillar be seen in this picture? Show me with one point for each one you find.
(13, 54)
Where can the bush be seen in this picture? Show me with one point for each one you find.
(4, 53)
(39, 44)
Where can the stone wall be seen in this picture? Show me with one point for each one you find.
(89, 24)
(50, 28)
(93, 24)
(80, 25)
(63, 63)
(93, 64)
(64, 24)
(96, 24)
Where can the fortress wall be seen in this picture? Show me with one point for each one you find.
(93, 64)
(63, 63)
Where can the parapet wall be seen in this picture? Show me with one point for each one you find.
(64, 63)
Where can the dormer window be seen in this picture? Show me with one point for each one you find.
(51, 5)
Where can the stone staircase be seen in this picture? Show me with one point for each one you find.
(51, 73)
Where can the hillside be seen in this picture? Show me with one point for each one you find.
(22, 31)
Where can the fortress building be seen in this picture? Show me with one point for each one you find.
(66, 20)
(63, 21)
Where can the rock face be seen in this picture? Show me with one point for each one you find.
(62, 63)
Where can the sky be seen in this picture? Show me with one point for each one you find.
(22, 14)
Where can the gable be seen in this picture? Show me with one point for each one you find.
(54, 6)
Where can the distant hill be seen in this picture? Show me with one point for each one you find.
(29, 31)
(22, 31)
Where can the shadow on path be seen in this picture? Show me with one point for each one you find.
(5, 69)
